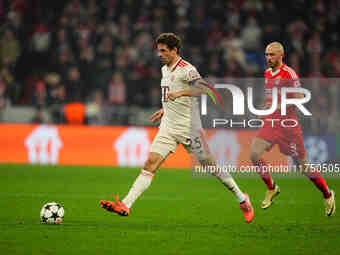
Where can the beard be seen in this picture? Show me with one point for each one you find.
(273, 64)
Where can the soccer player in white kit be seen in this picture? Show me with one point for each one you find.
(180, 124)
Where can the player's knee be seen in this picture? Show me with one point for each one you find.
(255, 156)
(303, 166)
(152, 163)
(206, 159)
(258, 147)
(149, 165)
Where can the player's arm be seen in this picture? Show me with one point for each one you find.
(298, 95)
(157, 115)
(197, 88)
(295, 83)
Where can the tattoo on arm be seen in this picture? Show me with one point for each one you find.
(199, 81)
(199, 87)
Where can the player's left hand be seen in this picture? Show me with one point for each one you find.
(173, 95)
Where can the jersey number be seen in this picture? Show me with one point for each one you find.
(165, 90)
(194, 144)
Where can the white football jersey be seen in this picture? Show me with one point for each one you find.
(181, 114)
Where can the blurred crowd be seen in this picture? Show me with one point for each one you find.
(102, 52)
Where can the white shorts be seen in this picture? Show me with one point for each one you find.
(166, 142)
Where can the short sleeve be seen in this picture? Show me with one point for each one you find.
(191, 74)
(294, 79)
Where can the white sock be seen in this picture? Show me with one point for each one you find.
(142, 182)
(230, 183)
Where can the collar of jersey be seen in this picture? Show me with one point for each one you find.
(173, 67)
(277, 71)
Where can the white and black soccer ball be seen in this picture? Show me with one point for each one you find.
(317, 150)
(52, 213)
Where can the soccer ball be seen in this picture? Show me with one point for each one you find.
(52, 213)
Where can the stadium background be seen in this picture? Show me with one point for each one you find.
(93, 62)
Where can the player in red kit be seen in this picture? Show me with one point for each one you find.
(287, 136)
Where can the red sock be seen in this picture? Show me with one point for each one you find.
(265, 176)
(320, 183)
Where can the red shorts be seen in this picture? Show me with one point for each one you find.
(289, 139)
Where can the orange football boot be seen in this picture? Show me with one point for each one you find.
(247, 209)
(116, 207)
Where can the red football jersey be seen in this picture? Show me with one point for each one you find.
(285, 76)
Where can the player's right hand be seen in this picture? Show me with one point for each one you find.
(157, 115)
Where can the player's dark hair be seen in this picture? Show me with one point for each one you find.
(171, 40)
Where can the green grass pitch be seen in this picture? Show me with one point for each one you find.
(178, 214)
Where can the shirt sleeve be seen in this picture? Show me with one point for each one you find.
(294, 80)
(191, 74)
